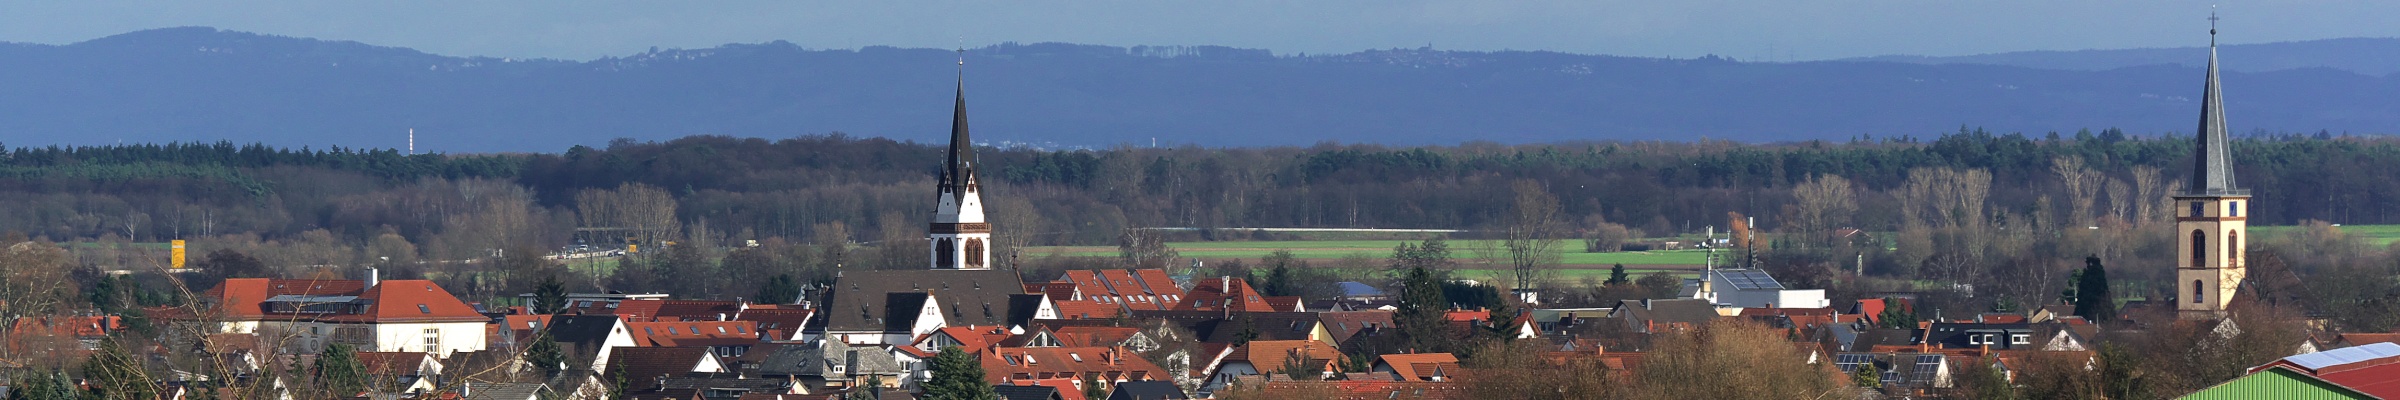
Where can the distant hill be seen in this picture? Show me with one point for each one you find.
(201, 84)
(2368, 56)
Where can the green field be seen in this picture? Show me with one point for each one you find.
(1571, 256)
(2378, 235)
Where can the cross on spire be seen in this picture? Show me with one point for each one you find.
(2212, 26)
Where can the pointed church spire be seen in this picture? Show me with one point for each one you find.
(2212, 169)
(956, 173)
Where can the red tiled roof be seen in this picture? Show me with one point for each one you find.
(239, 298)
(779, 322)
(2359, 339)
(1068, 388)
(1093, 336)
(1085, 309)
(697, 310)
(72, 326)
(642, 364)
(971, 338)
(664, 334)
(1269, 355)
(1025, 363)
(410, 301)
(1147, 289)
(1224, 293)
(1421, 366)
(1284, 303)
(1363, 390)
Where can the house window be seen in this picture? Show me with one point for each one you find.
(2199, 249)
(974, 252)
(2233, 208)
(421, 308)
(2195, 291)
(942, 257)
(2020, 339)
(433, 339)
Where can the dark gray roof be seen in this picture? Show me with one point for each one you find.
(1021, 308)
(817, 360)
(1270, 326)
(1146, 390)
(504, 391)
(583, 334)
(2212, 162)
(859, 301)
(1027, 392)
(1695, 312)
(958, 170)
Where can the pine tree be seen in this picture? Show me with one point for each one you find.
(957, 375)
(2092, 299)
(781, 289)
(1092, 388)
(1421, 311)
(1616, 275)
(545, 355)
(340, 372)
(550, 296)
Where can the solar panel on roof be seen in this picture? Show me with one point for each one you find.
(2345, 355)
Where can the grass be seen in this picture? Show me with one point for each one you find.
(2378, 235)
(1571, 254)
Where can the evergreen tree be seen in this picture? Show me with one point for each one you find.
(545, 355)
(1896, 315)
(1616, 275)
(2092, 298)
(1421, 311)
(44, 385)
(1867, 376)
(340, 372)
(957, 375)
(781, 289)
(550, 296)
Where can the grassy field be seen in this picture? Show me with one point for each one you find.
(1572, 257)
(2378, 235)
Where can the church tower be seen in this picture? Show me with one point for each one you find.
(2210, 214)
(961, 238)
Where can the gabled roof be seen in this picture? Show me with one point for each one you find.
(1270, 355)
(690, 333)
(1420, 366)
(504, 391)
(859, 301)
(1147, 390)
(1141, 289)
(1032, 392)
(640, 365)
(1224, 294)
(779, 323)
(698, 310)
(1110, 363)
(1268, 325)
(1651, 315)
(1285, 303)
(1085, 309)
(1093, 336)
(1346, 324)
(971, 338)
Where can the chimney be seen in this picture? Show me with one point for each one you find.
(373, 277)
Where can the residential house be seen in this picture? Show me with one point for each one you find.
(385, 316)
(828, 366)
(1900, 370)
(1260, 357)
(590, 337)
(1137, 289)
(725, 338)
(504, 391)
(1417, 367)
(650, 367)
(1224, 294)
(1033, 392)
(1107, 364)
(402, 372)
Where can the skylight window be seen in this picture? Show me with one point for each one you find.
(423, 309)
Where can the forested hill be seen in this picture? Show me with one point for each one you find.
(206, 85)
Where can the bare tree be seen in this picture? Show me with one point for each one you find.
(2083, 188)
(1532, 233)
(1822, 204)
(1144, 249)
(2149, 189)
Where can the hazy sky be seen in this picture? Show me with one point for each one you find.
(1754, 29)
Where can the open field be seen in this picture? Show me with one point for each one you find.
(2378, 235)
(1572, 258)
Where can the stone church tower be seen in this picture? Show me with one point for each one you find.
(2210, 215)
(961, 238)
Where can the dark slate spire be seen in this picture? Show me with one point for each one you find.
(959, 170)
(2212, 163)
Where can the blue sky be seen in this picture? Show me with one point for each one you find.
(1754, 29)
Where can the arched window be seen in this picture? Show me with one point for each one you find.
(2233, 245)
(2195, 290)
(2199, 249)
(974, 252)
(942, 256)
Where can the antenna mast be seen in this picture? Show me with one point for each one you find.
(412, 141)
